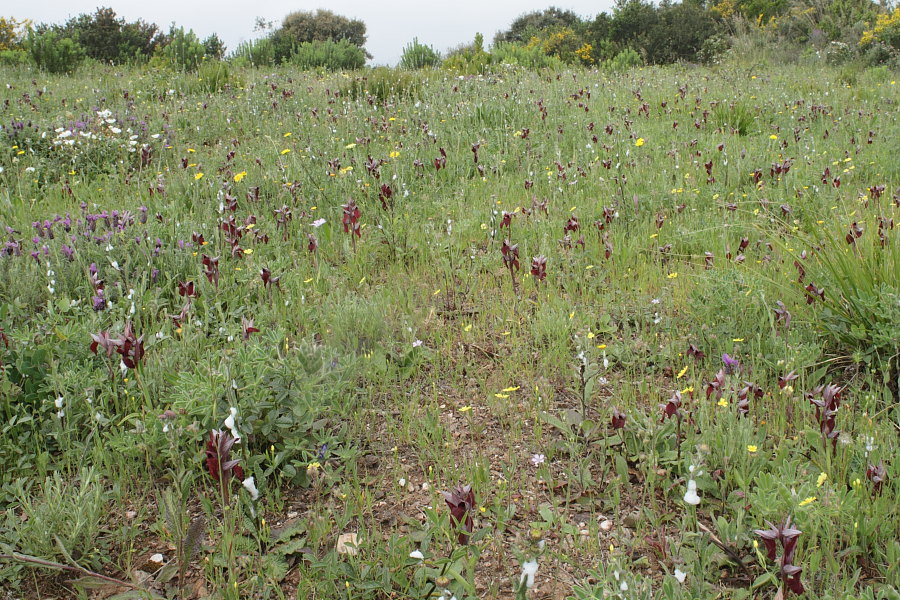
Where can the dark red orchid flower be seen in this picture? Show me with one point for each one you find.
(247, 327)
(211, 268)
(131, 348)
(441, 161)
(827, 400)
(672, 407)
(461, 502)
(618, 419)
(787, 536)
(716, 386)
(695, 352)
(539, 267)
(350, 218)
(385, 195)
(510, 254)
(187, 288)
(782, 314)
(267, 279)
(855, 233)
(786, 380)
(313, 243)
(877, 475)
(105, 341)
(218, 458)
(750, 390)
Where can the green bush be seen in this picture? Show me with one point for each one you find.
(63, 519)
(470, 59)
(13, 58)
(184, 49)
(383, 83)
(734, 117)
(328, 55)
(54, 54)
(214, 76)
(623, 61)
(259, 53)
(861, 308)
(419, 56)
(509, 53)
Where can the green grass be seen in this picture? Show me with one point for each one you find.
(392, 367)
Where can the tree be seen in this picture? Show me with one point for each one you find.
(214, 47)
(12, 33)
(529, 24)
(322, 25)
(107, 38)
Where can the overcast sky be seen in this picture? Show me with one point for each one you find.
(390, 25)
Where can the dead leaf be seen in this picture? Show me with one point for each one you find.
(347, 544)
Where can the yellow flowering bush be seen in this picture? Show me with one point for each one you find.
(886, 30)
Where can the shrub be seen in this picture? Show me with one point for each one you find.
(54, 54)
(470, 59)
(886, 31)
(733, 117)
(508, 53)
(329, 55)
(259, 53)
(214, 76)
(383, 83)
(838, 53)
(624, 60)
(13, 58)
(563, 43)
(184, 49)
(72, 513)
(419, 56)
(860, 311)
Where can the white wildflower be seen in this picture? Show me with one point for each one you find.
(529, 568)
(691, 496)
(250, 486)
(229, 423)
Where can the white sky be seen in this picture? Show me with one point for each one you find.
(389, 25)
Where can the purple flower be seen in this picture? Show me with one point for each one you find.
(99, 302)
(68, 252)
(732, 365)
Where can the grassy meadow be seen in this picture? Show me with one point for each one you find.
(636, 330)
